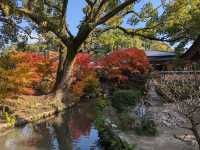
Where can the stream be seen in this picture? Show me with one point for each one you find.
(71, 130)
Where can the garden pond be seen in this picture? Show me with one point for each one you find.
(71, 130)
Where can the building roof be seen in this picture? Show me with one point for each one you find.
(155, 53)
(160, 56)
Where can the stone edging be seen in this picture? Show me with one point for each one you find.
(5, 126)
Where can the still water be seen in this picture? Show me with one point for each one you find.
(71, 130)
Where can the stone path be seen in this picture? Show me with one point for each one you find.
(167, 120)
(154, 98)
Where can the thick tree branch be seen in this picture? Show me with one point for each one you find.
(42, 22)
(114, 11)
(47, 25)
(136, 33)
(131, 12)
(89, 3)
(69, 32)
(64, 8)
(99, 8)
(63, 18)
(86, 27)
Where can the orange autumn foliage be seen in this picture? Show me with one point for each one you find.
(27, 71)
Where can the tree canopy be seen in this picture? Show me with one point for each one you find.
(177, 22)
(116, 39)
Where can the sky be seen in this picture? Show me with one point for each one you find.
(75, 14)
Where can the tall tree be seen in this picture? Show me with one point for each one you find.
(51, 15)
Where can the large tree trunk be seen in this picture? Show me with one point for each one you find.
(59, 70)
(64, 72)
(63, 80)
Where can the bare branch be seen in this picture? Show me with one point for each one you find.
(45, 24)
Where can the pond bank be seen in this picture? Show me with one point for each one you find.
(28, 109)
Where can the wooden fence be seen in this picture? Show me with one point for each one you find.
(179, 75)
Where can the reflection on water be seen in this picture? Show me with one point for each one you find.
(72, 130)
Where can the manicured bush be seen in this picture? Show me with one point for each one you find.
(122, 99)
(147, 127)
(92, 84)
(127, 122)
(102, 102)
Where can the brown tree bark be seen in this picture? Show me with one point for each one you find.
(63, 75)
(59, 72)
(64, 72)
